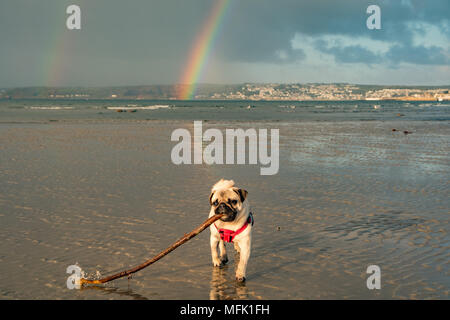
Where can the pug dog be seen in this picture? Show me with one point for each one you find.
(235, 226)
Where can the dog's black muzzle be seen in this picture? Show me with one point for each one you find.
(229, 212)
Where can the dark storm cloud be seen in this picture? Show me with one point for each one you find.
(418, 55)
(421, 55)
(258, 28)
(349, 54)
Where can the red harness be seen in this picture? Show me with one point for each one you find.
(228, 235)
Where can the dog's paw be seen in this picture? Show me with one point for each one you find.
(217, 262)
(240, 279)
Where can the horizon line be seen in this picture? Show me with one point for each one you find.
(228, 84)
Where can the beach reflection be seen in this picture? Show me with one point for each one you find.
(225, 287)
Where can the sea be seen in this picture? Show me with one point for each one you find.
(63, 110)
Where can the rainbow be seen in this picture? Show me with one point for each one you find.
(56, 56)
(201, 50)
(57, 60)
(60, 51)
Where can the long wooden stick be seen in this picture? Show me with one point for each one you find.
(182, 240)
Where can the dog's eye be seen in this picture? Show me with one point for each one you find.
(233, 202)
(216, 203)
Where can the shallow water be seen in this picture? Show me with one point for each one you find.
(51, 110)
(105, 195)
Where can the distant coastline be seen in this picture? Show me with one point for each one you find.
(244, 92)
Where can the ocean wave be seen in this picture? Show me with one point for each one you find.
(287, 106)
(48, 108)
(152, 107)
(433, 105)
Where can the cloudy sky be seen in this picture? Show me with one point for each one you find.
(148, 42)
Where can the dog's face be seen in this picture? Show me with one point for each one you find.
(228, 202)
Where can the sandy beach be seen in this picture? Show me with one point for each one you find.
(105, 196)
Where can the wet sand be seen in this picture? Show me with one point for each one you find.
(105, 195)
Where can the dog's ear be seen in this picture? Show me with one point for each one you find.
(242, 193)
(210, 198)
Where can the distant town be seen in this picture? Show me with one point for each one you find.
(246, 91)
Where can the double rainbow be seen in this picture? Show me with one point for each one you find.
(201, 50)
(197, 59)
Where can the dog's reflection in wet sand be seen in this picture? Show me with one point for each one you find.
(224, 286)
